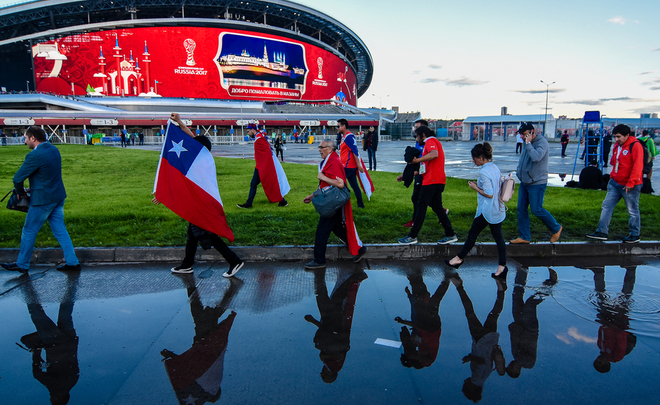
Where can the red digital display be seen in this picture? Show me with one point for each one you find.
(191, 62)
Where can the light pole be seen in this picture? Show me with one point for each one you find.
(27, 86)
(547, 90)
(381, 100)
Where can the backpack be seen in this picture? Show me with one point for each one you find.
(507, 188)
(648, 160)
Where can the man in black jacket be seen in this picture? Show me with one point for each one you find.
(371, 146)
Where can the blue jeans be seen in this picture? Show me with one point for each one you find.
(35, 219)
(532, 196)
(615, 192)
(372, 155)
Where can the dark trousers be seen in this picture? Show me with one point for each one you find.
(478, 225)
(417, 188)
(323, 229)
(372, 156)
(280, 152)
(216, 242)
(253, 187)
(519, 147)
(351, 177)
(431, 195)
(563, 149)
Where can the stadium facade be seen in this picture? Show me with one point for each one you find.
(131, 62)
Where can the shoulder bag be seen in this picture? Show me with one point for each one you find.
(329, 199)
(15, 203)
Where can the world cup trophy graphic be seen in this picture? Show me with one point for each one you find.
(190, 45)
(319, 61)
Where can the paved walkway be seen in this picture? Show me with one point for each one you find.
(458, 161)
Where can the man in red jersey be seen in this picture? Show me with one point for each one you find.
(350, 159)
(432, 169)
(625, 182)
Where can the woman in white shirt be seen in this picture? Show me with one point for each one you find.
(490, 211)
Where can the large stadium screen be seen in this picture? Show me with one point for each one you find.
(192, 62)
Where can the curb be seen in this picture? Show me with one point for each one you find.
(338, 252)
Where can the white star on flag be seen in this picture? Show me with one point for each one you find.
(178, 148)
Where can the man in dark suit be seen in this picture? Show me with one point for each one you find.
(43, 167)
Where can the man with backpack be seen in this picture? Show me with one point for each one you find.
(649, 144)
(625, 182)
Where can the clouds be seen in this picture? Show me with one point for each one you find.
(464, 82)
(601, 101)
(434, 66)
(555, 90)
(617, 20)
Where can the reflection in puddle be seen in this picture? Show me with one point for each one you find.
(151, 337)
(622, 304)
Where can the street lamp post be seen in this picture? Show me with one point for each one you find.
(547, 90)
(27, 86)
(381, 100)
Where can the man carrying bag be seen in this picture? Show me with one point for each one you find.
(331, 174)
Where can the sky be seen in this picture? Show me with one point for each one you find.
(454, 59)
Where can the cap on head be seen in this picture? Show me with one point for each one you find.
(525, 126)
(253, 126)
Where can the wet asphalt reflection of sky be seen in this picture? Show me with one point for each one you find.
(136, 334)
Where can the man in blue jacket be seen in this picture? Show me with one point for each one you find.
(533, 175)
(43, 167)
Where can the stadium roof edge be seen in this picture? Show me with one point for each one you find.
(338, 34)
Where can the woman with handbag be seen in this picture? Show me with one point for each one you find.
(331, 174)
(490, 211)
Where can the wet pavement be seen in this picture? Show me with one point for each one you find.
(276, 334)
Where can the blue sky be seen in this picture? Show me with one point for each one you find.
(452, 59)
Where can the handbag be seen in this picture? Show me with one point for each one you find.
(329, 199)
(15, 203)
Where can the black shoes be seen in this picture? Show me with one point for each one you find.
(13, 267)
(243, 206)
(360, 255)
(502, 275)
(233, 269)
(66, 267)
(313, 265)
(282, 203)
(456, 266)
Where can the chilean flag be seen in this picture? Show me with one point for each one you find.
(272, 176)
(186, 183)
(365, 180)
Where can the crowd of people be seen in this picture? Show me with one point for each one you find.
(342, 166)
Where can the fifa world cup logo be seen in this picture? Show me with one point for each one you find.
(319, 62)
(190, 45)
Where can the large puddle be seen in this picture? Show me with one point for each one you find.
(384, 332)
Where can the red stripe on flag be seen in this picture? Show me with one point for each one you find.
(191, 202)
(354, 243)
(263, 156)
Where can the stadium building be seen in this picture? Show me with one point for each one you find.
(112, 65)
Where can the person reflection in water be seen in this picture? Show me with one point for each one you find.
(333, 337)
(420, 348)
(524, 330)
(196, 374)
(485, 341)
(614, 340)
(59, 371)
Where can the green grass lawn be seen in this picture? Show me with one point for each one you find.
(109, 204)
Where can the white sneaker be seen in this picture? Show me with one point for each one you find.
(182, 270)
(233, 270)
